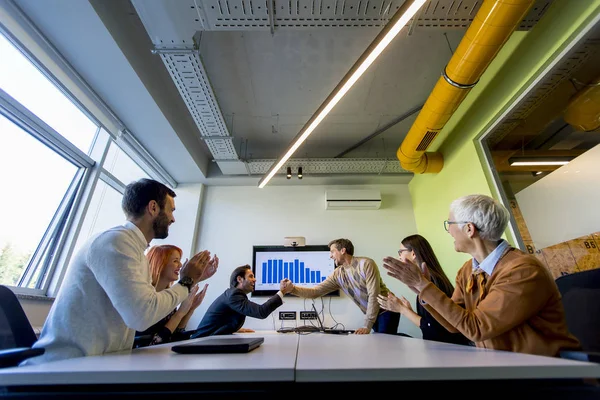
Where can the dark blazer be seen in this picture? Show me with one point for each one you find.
(228, 312)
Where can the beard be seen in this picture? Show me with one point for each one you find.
(161, 226)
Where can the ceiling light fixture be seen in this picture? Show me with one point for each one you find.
(538, 161)
(289, 172)
(404, 14)
(299, 172)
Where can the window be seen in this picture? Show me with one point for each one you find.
(121, 166)
(43, 159)
(35, 180)
(27, 85)
(44, 164)
(63, 175)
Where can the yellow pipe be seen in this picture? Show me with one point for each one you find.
(583, 111)
(492, 26)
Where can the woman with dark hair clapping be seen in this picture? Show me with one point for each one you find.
(416, 249)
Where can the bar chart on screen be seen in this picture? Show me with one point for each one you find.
(274, 270)
(306, 266)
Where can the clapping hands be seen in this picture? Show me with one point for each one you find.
(195, 267)
(393, 303)
(200, 267)
(199, 297)
(408, 273)
(193, 300)
(211, 268)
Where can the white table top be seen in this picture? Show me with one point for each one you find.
(274, 360)
(314, 357)
(380, 357)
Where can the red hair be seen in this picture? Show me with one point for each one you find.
(158, 257)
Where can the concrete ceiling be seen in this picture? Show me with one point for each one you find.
(268, 86)
(264, 75)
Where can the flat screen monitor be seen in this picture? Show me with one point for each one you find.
(305, 266)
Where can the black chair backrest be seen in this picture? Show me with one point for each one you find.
(589, 279)
(15, 329)
(581, 299)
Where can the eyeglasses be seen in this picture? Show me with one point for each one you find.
(401, 251)
(448, 223)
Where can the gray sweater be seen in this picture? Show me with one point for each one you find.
(106, 296)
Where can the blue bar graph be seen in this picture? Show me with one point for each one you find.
(280, 274)
(273, 271)
(269, 274)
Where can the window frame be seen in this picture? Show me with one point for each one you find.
(38, 129)
(30, 123)
(61, 235)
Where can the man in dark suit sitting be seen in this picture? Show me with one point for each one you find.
(228, 312)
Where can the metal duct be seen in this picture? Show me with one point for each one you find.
(492, 26)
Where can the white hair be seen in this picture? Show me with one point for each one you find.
(488, 215)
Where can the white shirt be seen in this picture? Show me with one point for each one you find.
(106, 296)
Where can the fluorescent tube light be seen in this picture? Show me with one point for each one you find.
(404, 14)
(538, 161)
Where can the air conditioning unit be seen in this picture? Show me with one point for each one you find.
(353, 199)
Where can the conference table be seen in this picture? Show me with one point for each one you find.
(287, 364)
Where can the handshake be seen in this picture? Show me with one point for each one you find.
(286, 286)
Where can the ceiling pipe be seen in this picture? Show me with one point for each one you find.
(379, 131)
(491, 27)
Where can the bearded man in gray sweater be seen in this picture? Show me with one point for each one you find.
(107, 293)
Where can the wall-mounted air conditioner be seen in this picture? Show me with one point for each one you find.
(353, 199)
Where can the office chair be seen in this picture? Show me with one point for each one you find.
(581, 300)
(589, 279)
(16, 334)
(142, 341)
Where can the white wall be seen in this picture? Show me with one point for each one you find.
(187, 215)
(36, 310)
(236, 218)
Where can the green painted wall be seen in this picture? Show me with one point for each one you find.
(519, 62)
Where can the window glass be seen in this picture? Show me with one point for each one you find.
(26, 84)
(121, 166)
(103, 213)
(34, 180)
